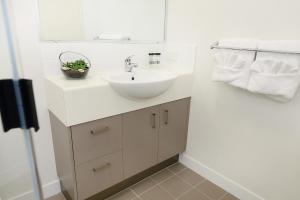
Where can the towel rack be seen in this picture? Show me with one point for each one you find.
(217, 46)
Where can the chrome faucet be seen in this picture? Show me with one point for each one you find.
(129, 65)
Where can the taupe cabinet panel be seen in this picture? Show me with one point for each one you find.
(147, 143)
(140, 140)
(173, 129)
(97, 138)
(62, 143)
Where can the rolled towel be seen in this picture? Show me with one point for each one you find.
(274, 74)
(233, 66)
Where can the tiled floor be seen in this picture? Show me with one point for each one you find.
(174, 183)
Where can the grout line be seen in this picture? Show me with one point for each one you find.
(112, 196)
(150, 188)
(223, 196)
(192, 188)
(176, 174)
(159, 184)
(172, 176)
(169, 193)
(205, 195)
(136, 194)
(168, 168)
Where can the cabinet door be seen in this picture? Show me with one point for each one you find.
(173, 128)
(140, 140)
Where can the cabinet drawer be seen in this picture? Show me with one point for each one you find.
(97, 138)
(97, 175)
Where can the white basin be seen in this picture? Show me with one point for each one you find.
(141, 84)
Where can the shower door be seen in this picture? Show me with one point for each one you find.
(18, 173)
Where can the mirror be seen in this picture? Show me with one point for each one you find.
(103, 20)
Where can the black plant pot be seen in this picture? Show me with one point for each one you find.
(74, 73)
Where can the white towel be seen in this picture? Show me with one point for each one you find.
(276, 75)
(233, 66)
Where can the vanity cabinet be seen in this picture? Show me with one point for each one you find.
(95, 156)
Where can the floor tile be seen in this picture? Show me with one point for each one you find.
(124, 195)
(136, 198)
(175, 186)
(177, 167)
(194, 195)
(142, 186)
(211, 190)
(190, 176)
(156, 194)
(176, 182)
(162, 175)
(229, 197)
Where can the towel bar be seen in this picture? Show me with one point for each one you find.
(217, 46)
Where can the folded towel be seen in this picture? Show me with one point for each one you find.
(276, 75)
(233, 66)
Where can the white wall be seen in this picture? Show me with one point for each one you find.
(244, 137)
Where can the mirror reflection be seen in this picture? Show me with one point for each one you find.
(103, 20)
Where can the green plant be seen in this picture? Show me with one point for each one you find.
(78, 65)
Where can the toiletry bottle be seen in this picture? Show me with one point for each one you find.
(154, 59)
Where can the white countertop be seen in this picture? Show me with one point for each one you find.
(83, 100)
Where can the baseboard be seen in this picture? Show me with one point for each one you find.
(49, 189)
(218, 179)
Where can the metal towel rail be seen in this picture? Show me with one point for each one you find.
(217, 46)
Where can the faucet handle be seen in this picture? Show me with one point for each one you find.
(129, 64)
(128, 60)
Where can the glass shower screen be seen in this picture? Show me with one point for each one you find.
(18, 171)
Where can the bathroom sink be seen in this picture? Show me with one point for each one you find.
(141, 84)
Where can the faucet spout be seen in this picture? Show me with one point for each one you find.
(129, 65)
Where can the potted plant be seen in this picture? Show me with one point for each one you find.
(74, 65)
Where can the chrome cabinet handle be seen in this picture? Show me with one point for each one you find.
(153, 122)
(166, 117)
(96, 132)
(97, 169)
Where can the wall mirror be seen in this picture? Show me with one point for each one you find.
(103, 20)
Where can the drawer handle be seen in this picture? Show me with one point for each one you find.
(97, 169)
(96, 132)
(166, 117)
(153, 121)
